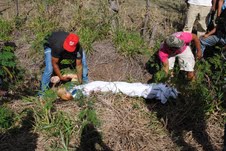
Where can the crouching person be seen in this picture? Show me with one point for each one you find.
(177, 46)
(62, 45)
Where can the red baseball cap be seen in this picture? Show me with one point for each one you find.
(70, 42)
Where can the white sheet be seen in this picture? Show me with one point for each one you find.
(148, 91)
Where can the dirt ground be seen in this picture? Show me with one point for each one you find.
(127, 124)
(107, 65)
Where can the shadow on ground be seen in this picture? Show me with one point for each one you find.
(20, 139)
(15, 82)
(91, 140)
(184, 119)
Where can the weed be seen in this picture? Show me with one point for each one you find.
(88, 116)
(10, 72)
(6, 117)
(53, 123)
(7, 62)
(129, 43)
(41, 27)
(88, 36)
(5, 30)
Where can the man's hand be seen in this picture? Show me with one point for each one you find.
(166, 67)
(65, 78)
(199, 55)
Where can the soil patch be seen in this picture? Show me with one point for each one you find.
(107, 65)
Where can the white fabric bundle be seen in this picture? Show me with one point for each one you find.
(148, 91)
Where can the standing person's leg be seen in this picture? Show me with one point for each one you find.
(171, 62)
(203, 21)
(85, 69)
(209, 41)
(223, 41)
(47, 72)
(191, 17)
(187, 62)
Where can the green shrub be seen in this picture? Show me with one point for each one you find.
(10, 72)
(41, 27)
(87, 37)
(88, 116)
(208, 85)
(5, 30)
(7, 61)
(129, 43)
(6, 117)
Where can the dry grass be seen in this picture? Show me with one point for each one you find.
(127, 124)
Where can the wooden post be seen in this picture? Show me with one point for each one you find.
(153, 34)
(17, 8)
(145, 34)
(114, 9)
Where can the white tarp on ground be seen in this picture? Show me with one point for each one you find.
(160, 92)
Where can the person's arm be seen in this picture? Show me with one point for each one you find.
(210, 33)
(197, 45)
(219, 9)
(163, 56)
(57, 69)
(214, 5)
(79, 70)
(166, 67)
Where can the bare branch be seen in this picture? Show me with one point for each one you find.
(146, 20)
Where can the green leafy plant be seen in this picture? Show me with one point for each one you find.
(7, 57)
(129, 43)
(41, 28)
(87, 37)
(7, 61)
(10, 72)
(88, 116)
(5, 30)
(6, 117)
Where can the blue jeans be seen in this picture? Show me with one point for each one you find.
(49, 70)
(211, 41)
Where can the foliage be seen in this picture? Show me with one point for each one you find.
(91, 25)
(42, 25)
(7, 61)
(5, 30)
(7, 57)
(87, 37)
(208, 85)
(10, 72)
(41, 28)
(211, 73)
(53, 123)
(6, 117)
(129, 43)
(88, 116)
(49, 2)
(92, 30)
